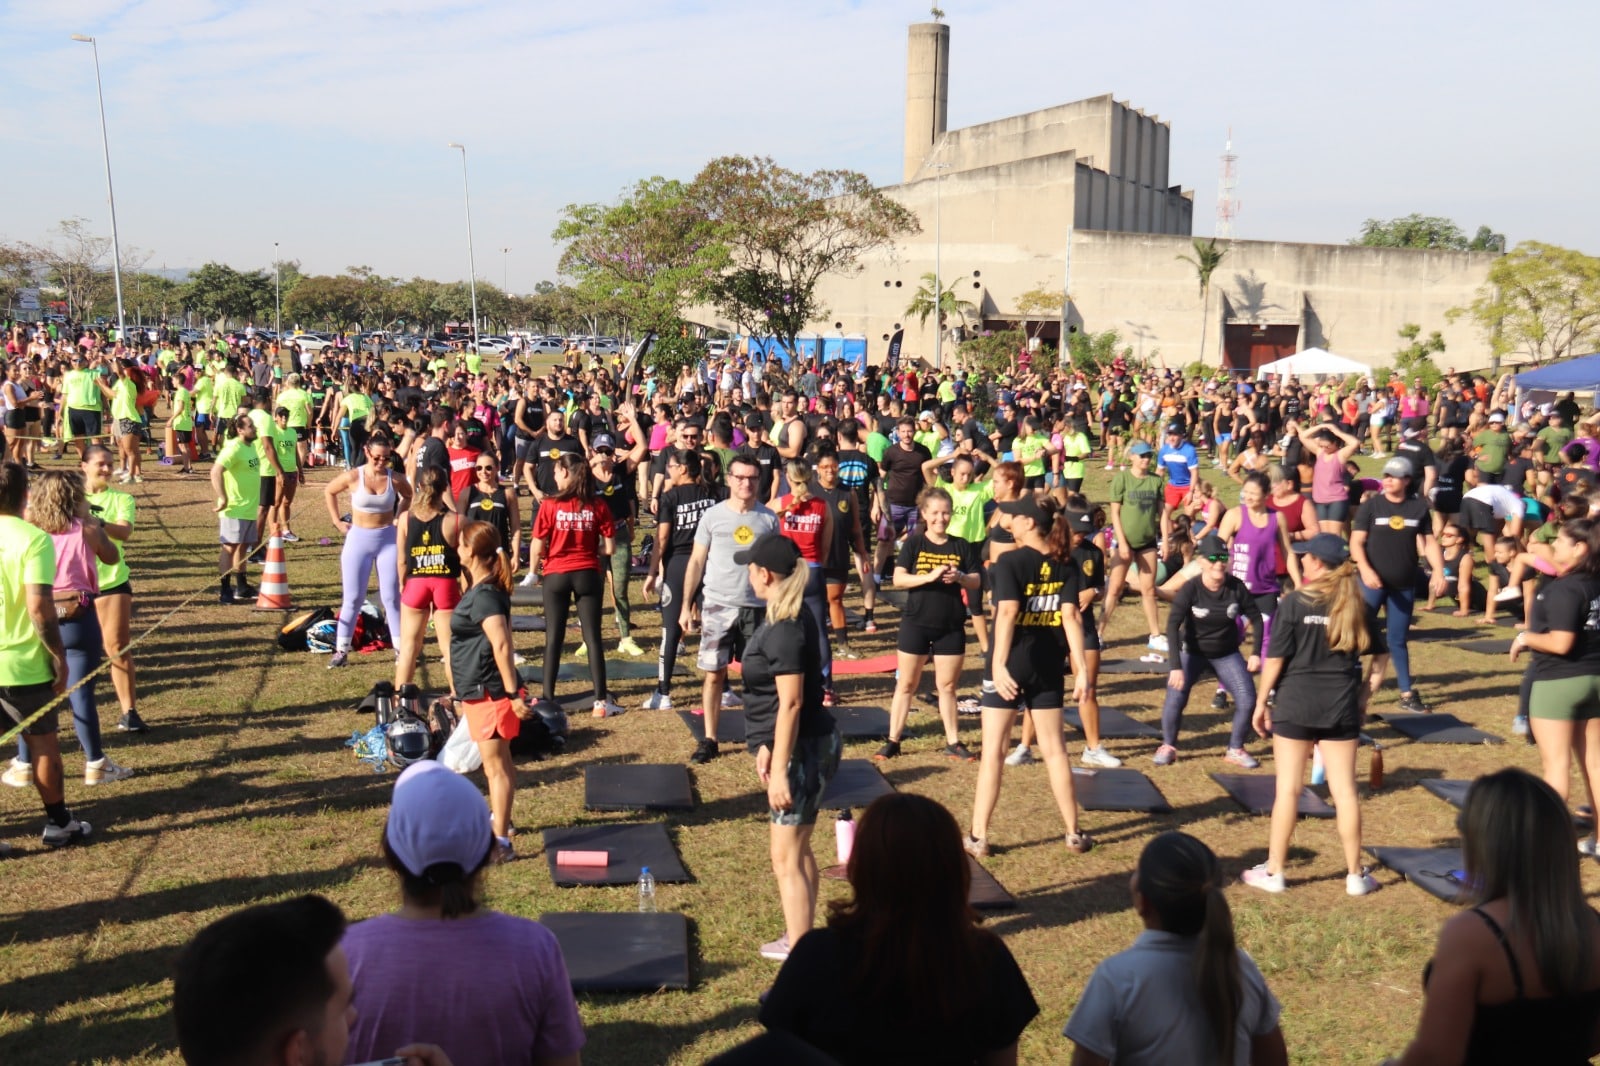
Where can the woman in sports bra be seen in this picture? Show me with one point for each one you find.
(377, 494)
(1516, 978)
(430, 574)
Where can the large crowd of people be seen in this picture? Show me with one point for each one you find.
(760, 501)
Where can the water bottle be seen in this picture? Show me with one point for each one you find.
(844, 836)
(647, 892)
(1319, 773)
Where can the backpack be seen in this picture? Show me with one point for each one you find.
(293, 635)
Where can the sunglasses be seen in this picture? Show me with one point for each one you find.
(1216, 558)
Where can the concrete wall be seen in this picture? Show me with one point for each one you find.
(1111, 203)
(1347, 299)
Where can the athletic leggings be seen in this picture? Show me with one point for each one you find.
(672, 575)
(364, 549)
(816, 602)
(620, 563)
(1402, 604)
(80, 639)
(1231, 671)
(588, 587)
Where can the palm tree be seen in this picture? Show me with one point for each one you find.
(1207, 257)
(950, 306)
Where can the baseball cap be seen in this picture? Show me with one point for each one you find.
(1028, 506)
(437, 816)
(1175, 429)
(1411, 432)
(1210, 545)
(1397, 467)
(1329, 547)
(1139, 447)
(603, 442)
(1497, 416)
(1079, 521)
(773, 551)
(925, 415)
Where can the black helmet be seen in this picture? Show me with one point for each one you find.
(409, 741)
(554, 717)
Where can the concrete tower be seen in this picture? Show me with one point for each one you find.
(927, 91)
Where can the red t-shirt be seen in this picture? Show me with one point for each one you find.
(462, 461)
(571, 530)
(804, 522)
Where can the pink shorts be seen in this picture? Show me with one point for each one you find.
(440, 593)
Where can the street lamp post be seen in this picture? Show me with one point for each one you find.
(938, 283)
(105, 147)
(277, 299)
(472, 262)
(505, 271)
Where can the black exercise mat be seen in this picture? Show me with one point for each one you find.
(1430, 869)
(1486, 646)
(896, 597)
(630, 848)
(1133, 666)
(1255, 793)
(730, 726)
(856, 723)
(985, 893)
(857, 784)
(1116, 790)
(1113, 724)
(626, 952)
(637, 787)
(1453, 792)
(533, 673)
(1438, 729)
(527, 597)
(527, 623)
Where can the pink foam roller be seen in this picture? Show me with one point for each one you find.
(583, 858)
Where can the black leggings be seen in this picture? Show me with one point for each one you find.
(673, 572)
(588, 588)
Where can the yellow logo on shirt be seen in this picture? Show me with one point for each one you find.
(844, 507)
(1396, 522)
(743, 535)
(555, 453)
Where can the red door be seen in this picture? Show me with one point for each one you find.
(1246, 347)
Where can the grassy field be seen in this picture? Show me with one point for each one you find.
(245, 792)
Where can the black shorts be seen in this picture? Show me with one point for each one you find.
(302, 432)
(269, 491)
(1448, 503)
(1040, 674)
(925, 640)
(183, 436)
(836, 575)
(19, 702)
(1345, 729)
(123, 589)
(83, 423)
(1478, 517)
(15, 419)
(1091, 632)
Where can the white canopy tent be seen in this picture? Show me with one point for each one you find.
(1311, 363)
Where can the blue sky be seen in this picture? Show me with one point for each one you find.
(321, 124)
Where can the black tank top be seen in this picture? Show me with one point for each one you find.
(1554, 1030)
(427, 554)
(680, 510)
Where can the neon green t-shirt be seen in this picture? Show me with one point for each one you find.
(966, 514)
(182, 409)
(1073, 444)
(877, 444)
(285, 442)
(1030, 453)
(241, 479)
(265, 428)
(474, 363)
(228, 397)
(113, 508)
(30, 560)
(929, 439)
(81, 390)
(203, 389)
(125, 400)
(356, 406)
(298, 404)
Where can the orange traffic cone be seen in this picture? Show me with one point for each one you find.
(274, 594)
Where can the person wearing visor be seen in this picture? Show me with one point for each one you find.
(793, 736)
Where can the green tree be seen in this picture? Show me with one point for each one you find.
(951, 306)
(783, 231)
(219, 293)
(1415, 358)
(1540, 301)
(1034, 305)
(675, 348)
(994, 353)
(645, 254)
(151, 297)
(1207, 257)
(16, 271)
(1090, 351)
(1426, 231)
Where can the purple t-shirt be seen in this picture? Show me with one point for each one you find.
(490, 989)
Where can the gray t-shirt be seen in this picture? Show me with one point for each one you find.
(1141, 1007)
(724, 531)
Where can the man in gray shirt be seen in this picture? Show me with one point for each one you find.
(731, 611)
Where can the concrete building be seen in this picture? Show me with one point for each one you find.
(1078, 196)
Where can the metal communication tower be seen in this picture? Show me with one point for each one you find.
(1227, 186)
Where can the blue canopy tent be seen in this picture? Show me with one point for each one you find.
(1571, 375)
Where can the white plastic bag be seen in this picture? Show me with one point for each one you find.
(461, 752)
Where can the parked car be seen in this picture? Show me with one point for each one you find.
(310, 342)
(498, 345)
(546, 346)
(600, 346)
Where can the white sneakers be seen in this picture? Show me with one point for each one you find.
(732, 701)
(1100, 758)
(1361, 884)
(657, 701)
